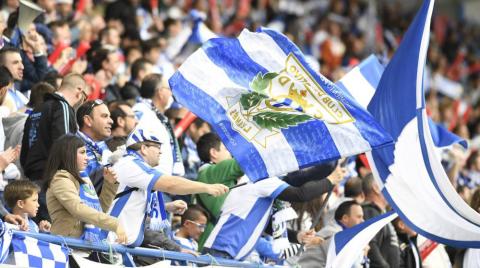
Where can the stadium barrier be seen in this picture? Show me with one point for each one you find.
(128, 252)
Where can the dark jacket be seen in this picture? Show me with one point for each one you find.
(130, 91)
(384, 249)
(408, 251)
(43, 126)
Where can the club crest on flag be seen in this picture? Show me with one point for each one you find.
(282, 100)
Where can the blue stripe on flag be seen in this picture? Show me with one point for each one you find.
(442, 137)
(246, 153)
(372, 70)
(34, 261)
(20, 247)
(45, 250)
(241, 70)
(397, 114)
(318, 140)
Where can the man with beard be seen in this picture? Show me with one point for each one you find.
(54, 118)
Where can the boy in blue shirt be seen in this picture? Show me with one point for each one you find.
(21, 198)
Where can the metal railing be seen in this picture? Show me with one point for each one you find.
(128, 252)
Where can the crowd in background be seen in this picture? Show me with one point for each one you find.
(123, 52)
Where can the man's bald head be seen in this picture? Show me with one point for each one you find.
(73, 88)
(72, 82)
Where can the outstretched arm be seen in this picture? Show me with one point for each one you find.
(312, 189)
(181, 186)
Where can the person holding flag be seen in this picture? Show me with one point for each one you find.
(238, 228)
(138, 195)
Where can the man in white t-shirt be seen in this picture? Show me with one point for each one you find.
(137, 197)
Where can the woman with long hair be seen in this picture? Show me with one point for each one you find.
(73, 205)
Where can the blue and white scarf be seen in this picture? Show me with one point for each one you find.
(157, 213)
(97, 153)
(282, 212)
(155, 204)
(89, 197)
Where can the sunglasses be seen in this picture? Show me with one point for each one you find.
(199, 226)
(85, 96)
(94, 104)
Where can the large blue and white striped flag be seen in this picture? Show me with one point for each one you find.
(31, 252)
(347, 245)
(413, 179)
(272, 111)
(362, 81)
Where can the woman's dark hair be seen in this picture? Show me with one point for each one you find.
(63, 156)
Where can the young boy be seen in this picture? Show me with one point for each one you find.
(22, 198)
(193, 223)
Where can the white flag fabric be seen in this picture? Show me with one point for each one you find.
(272, 111)
(345, 246)
(410, 172)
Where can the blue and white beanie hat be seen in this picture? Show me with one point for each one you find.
(140, 135)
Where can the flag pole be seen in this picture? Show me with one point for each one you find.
(316, 220)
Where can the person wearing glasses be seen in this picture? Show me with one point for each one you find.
(193, 223)
(95, 124)
(140, 185)
(54, 118)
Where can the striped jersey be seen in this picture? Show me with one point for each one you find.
(130, 208)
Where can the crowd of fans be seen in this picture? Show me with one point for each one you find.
(87, 139)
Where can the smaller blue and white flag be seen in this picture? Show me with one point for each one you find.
(273, 112)
(362, 81)
(200, 32)
(31, 252)
(5, 241)
(348, 244)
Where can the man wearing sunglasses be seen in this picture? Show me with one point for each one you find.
(54, 118)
